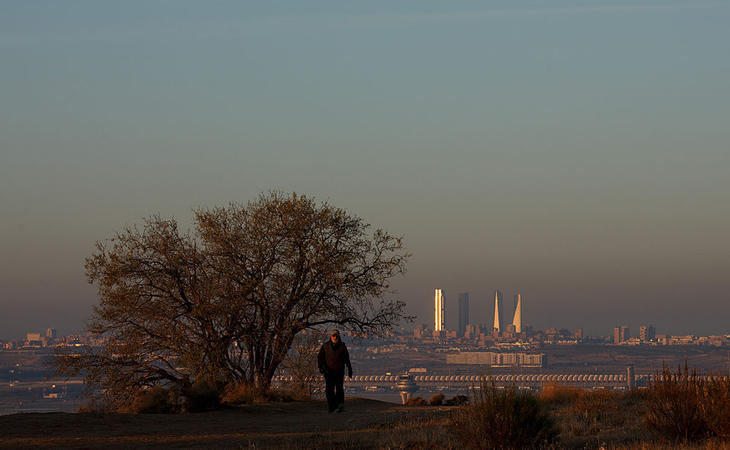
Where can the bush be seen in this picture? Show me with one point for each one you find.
(155, 400)
(457, 400)
(203, 396)
(503, 419)
(558, 395)
(674, 406)
(715, 406)
(237, 394)
(416, 401)
(437, 400)
(592, 404)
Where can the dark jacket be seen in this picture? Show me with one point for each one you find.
(333, 358)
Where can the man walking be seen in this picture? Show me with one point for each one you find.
(332, 359)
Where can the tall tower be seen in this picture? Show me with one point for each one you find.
(517, 320)
(439, 311)
(463, 312)
(497, 310)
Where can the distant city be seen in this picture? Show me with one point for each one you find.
(501, 334)
(515, 333)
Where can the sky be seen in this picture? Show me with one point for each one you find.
(577, 152)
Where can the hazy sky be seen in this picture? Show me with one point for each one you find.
(575, 151)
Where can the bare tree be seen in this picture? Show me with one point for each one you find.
(225, 302)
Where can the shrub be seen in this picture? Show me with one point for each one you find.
(457, 400)
(558, 395)
(674, 406)
(203, 396)
(237, 394)
(437, 400)
(715, 406)
(283, 395)
(592, 404)
(416, 401)
(154, 400)
(503, 419)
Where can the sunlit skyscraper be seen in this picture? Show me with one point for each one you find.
(517, 320)
(497, 310)
(439, 311)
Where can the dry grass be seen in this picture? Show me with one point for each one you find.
(584, 419)
(595, 419)
(503, 419)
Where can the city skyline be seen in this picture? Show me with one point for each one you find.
(574, 152)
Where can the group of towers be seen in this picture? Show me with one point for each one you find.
(517, 316)
(440, 312)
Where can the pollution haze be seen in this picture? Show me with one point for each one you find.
(572, 151)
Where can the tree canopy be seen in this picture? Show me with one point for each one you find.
(225, 301)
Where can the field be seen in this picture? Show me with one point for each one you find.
(581, 420)
(365, 423)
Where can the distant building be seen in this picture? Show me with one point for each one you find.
(463, 312)
(421, 331)
(51, 333)
(496, 359)
(32, 336)
(33, 340)
(647, 333)
(497, 311)
(578, 333)
(471, 331)
(517, 319)
(439, 311)
(621, 334)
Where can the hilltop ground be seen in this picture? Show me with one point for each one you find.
(365, 423)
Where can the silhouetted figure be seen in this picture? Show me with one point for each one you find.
(332, 360)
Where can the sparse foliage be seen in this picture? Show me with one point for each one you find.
(715, 406)
(503, 419)
(673, 405)
(224, 303)
(299, 368)
(436, 400)
(684, 406)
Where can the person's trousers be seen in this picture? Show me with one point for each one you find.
(334, 390)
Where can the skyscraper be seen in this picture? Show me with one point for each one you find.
(517, 320)
(439, 311)
(463, 312)
(497, 310)
(621, 334)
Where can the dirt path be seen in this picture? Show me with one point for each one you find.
(253, 426)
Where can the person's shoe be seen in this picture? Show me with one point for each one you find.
(340, 408)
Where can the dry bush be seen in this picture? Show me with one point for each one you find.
(558, 394)
(155, 400)
(503, 419)
(237, 394)
(203, 396)
(714, 406)
(416, 401)
(436, 400)
(457, 400)
(93, 406)
(590, 404)
(674, 406)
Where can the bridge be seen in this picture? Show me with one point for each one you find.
(429, 382)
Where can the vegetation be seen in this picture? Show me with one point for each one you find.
(436, 400)
(224, 304)
(685, 407)
(558, 417)
(503, 419)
